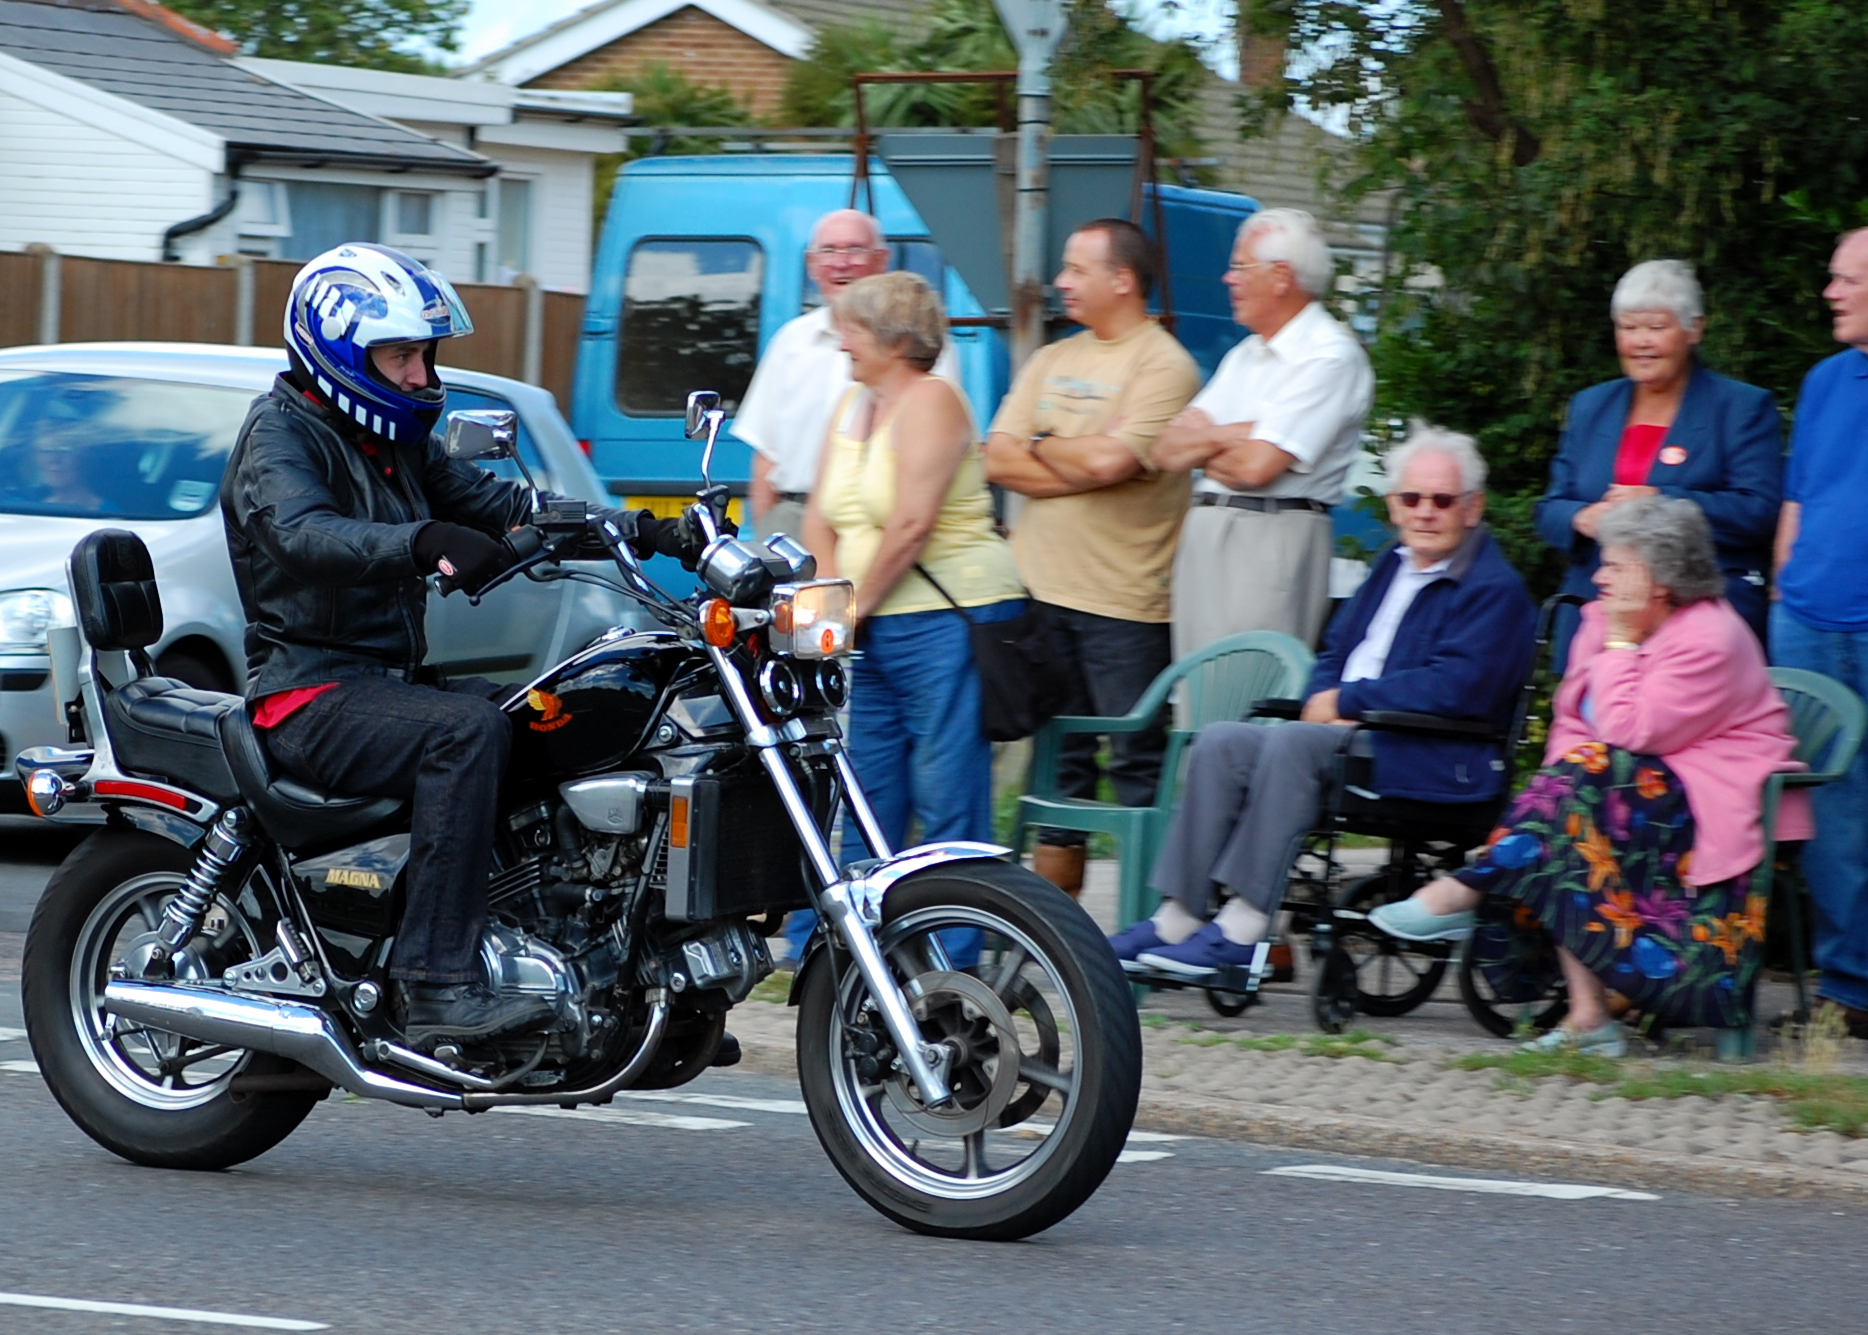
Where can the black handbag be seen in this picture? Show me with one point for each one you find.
(1022, 682)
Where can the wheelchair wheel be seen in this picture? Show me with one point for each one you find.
(1333, 992)
(1509, 977)
(1390, 977)
(1227, 1003)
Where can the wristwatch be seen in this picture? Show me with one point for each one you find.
(1620, 644)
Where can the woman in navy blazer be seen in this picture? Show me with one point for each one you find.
(1671, 427)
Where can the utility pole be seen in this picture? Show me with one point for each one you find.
(1035, 27)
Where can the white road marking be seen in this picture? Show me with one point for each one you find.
(159, 1313)
(20, 1068)
(618, 1117)
(11, 1035)
(1143, 1156)
(1559, 1191)
(721, 1101)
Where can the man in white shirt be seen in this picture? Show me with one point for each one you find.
(1443, 627)
(1274, 434)
(804, 373)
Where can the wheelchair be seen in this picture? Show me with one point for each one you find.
(1504, 981)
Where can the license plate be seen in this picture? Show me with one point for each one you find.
(670, 507)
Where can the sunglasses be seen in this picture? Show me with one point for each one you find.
(1442, 500)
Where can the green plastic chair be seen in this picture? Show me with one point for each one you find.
(1828, 720)
(1217, 684)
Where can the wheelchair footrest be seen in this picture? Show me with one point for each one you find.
(1243, 980)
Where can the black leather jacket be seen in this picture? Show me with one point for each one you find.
(320, 540)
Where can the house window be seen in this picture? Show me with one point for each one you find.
(326, 215)
(261, 218)
(690, 321)
(414, 213)
(515, 227)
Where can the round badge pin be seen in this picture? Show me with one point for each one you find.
(1673, 454)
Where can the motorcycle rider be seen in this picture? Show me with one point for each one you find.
(338, 500)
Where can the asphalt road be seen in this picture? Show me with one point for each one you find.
(720, 1213)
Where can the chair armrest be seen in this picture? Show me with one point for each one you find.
(1430, 725)
(1277, 708)
(1074, 723)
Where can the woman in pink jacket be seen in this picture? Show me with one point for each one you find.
(1637, 846)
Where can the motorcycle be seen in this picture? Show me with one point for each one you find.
(212, 960)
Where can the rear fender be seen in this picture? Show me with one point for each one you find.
(869, 884)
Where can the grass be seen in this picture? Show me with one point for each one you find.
(1815, 1100)
(774, 987)
(1354, 1043)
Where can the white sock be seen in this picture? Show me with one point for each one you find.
(1242, 924)
(1173, 924)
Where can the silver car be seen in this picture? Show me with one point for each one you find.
(136, 436)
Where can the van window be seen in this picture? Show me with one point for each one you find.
(909, 254)
(690, 321)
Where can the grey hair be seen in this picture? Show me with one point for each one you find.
(1291, 236)
(869, 221)
(903, 313)
(1425, 439)
(1671, 538)
(1660, 285)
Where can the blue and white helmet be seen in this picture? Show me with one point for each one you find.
(361, 296)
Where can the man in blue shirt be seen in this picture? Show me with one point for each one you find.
(1820, 621)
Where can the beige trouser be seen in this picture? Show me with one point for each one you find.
(1239, 570)
(785, 517)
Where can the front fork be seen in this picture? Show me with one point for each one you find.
(924, 1062)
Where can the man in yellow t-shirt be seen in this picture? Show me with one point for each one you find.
(1095, 538)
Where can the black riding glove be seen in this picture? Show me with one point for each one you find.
(647, 535)
(465, 555)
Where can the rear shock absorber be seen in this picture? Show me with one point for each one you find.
(221, 849)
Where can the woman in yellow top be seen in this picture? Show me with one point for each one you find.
(901, 490)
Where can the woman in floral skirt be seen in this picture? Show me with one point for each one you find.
(1636, 847)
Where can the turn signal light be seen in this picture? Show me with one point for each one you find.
(717, 626)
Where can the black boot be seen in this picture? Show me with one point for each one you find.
(468, 1012)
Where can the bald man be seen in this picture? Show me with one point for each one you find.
(804, 373)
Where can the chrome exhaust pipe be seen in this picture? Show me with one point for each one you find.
(303, 1033)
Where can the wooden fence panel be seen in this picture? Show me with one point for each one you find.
(19, 298)
(125, 299)
(564, 324)
(498, 340)
(272, 285)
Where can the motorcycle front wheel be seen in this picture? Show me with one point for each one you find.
(1015, 980)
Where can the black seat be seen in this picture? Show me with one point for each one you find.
(161, 728)
(298, 817)
(164, 729)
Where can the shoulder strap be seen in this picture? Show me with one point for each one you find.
(922, 571)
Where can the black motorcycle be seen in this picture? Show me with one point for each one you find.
(211, 962)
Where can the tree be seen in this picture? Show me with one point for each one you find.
(1538, 148)
(374, 34)
(665, 98)
(967, 35)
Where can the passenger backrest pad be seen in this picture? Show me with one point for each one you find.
(113, 582)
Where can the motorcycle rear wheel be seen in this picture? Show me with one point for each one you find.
(144, 1094)
(1047, 1057)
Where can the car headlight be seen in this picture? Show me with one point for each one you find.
(812, 620)
(27, 614)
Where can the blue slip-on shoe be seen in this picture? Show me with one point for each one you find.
(1611, 1040)
(1142, 936)
(1409, 921)
(1201, 955)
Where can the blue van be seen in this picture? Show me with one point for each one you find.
(702, 260)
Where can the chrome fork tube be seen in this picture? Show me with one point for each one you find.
(858, 802)
(921, 1060)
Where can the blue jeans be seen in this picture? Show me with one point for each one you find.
(916, 739)
(1835, 862)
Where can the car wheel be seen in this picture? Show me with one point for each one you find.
(195, 669)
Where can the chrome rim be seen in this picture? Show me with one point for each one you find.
(1010, 1025)
(153, 1067)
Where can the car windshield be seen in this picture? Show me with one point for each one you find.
(101, 446)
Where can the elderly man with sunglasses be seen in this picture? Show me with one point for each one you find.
(1443, 626)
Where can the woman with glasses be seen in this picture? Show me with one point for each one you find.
(1634, 852)
(1667, 427)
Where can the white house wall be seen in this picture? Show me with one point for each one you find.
(85, 191)
(561, 218)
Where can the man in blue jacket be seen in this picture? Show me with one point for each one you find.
(1443, 626)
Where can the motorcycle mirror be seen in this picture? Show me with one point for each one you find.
(481, 433)
(700, 403)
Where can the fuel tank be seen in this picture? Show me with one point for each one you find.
(607, 702)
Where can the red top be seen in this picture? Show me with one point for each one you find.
(276, 709)
(1639, 446)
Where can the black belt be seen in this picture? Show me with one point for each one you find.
(795, 497)
(1263, 504)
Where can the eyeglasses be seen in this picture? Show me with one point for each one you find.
(1442, 500)
(842, 252)
(1236, 267)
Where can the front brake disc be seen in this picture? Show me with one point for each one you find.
(958, 1011)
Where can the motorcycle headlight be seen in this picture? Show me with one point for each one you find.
(27, 614)
(812, 620)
